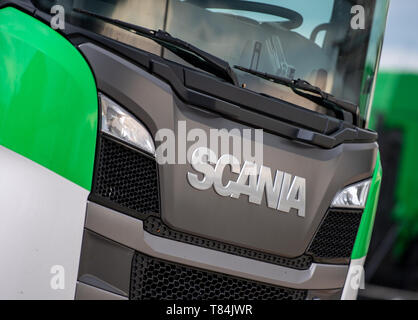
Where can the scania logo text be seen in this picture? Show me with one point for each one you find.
(283, 193)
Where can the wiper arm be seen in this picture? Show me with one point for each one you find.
(188, 52)
(308, 91)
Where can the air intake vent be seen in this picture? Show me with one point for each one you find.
(157, 227)
(157, 279)
(336, 235)
(126, 177)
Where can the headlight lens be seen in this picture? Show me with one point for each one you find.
(121, 124)
(353, 197)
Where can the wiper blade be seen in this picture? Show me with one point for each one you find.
(308, 91)
(188, 52)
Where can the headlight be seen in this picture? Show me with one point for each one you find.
(121, 124)
(353, 197)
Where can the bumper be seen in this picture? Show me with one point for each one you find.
(120, 238)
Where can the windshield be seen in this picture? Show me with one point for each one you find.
(333, 44)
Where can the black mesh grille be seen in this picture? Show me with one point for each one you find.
(127, 178)
(335, 238)
(157, 279)
(155, 226)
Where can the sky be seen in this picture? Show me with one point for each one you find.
(400, 50)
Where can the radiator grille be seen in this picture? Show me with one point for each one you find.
(157, 279)
(336, 235)
(127, 178)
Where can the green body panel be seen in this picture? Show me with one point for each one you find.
(48, 98)
(364, 235)
(396, 102)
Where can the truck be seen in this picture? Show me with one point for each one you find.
(187, 149)
(392, 261)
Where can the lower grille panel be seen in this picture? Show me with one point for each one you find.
(158, 279)
(156, 227)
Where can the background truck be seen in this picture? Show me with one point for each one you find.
(393, 260)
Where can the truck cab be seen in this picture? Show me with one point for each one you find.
(186, 149)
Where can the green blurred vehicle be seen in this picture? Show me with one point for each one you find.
(393, 260)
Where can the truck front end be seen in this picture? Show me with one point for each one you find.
(185, 149)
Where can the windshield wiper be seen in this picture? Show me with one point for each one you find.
(308, 91)
(189, 53)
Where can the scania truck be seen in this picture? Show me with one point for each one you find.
(187, 149)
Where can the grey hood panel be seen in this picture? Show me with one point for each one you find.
(207, 214)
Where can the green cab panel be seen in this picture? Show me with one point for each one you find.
(364, 235)
(48, 98)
